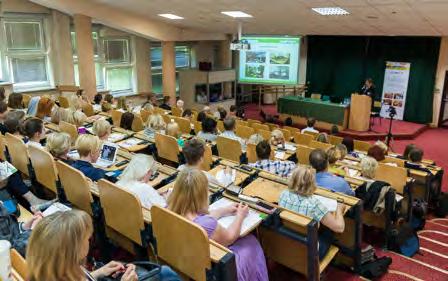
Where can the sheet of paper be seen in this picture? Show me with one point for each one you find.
(280, 155)
(353, 173)
(114, 137)
(250, 222)
(226, 179)
(55, 207)
(6, 169)
(331, 204)
(398, 197)
(130, 142)
(291, 147)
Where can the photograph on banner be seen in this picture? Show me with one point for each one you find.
(395, 87)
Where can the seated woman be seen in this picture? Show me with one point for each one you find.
(377, 153)
(15, 101)
(135, 179)
(334, 155)
(187, 113)
(57, 114)
(322, 137)
(172, 129)
(34, 130)
(97, 99)
(106, 107)
(298, 198)
(407, 150)
(277, 138)
(209, 131)
(126, 121)
(342, 150)
(13, 123)
(74, 117)
(255, 139)
(102, 129)
(190, 200)
(368, 168)
(75, 102)
(201, 116)
(58, 144)
(89, 148)
(350, 145)
(44, 108)
(155, 124)
(64, 257)
(121, 104)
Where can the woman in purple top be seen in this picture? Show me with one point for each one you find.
(190, 200)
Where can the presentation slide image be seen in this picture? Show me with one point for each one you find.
(255, 71)
(255, 57)
(280, 58)
(279, 72)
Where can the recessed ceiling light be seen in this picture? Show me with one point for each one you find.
(331, 11)
(171, 16)
(236, 14)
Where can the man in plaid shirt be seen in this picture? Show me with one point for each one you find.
(281, 168)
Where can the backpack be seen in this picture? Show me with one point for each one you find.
(441, 209)
(375, 268)
(419, 211)
(404, 240)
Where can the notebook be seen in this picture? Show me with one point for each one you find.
(330, 203)
(252, 220)
(280, 155)
(130, 143)
(107, 156)
(55, 207)
(6, 169)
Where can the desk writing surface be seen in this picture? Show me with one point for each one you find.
(265, 189)
(240, 176)
(133, 144)
(16, 276)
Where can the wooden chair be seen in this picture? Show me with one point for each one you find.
(184, 125)
(76, 187)
(69, 129)
(207, 159)
(313, 134)
(220, 126)
(361, 145)
(316, 96)
(244, 132)
(240, 122)
(303, 154)
(137, 124)
(265, 134)
(335, 140)
(189, 253)
(272, 126)
(18, 153)
(144, 114)
(395, 176)
(3, 148)
(167, 118)
(176, 111)
(303, 139)
(252, 121)
(197, 127)
(251, 153)
(87, 108)
(19, 264)
(292, 130)
(44, 168)
(167, 147)
(399, 162)
(116, 117)
(321, 145)
(286, 134)
(229, 148)
(258, 126)
(63, 102)
(26, 100)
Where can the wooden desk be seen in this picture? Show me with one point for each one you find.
(133, 144)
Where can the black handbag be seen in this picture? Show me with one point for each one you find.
(146, 271)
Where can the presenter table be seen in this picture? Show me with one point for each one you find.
(299, 109)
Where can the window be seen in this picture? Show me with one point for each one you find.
(24, 54)
(117, 65)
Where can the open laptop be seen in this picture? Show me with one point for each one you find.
(108, 155)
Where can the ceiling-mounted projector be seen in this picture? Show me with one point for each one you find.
(239, 45)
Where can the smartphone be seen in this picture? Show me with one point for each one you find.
(121, 163)
(260, 205)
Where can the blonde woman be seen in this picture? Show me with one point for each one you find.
(89, 148)
(58, 144)
(172, 129)
(368, 168)
(63, 257)
(334, 155)
(75, 103)
(135, 179)
(299, 198)
(322, 137)
(155, 124)
(255, 139)
(190, 200)
(102, 129)
(121, 104)
(75, 117)
(277, 137)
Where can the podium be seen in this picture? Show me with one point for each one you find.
(360, 108)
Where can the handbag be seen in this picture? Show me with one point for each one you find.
(146, 271)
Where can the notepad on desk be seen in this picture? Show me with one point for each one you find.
(251, 221)
(330, 203)
(114, 137)
(280, 154)
(290, 147)
(55, 207)
(130, 143)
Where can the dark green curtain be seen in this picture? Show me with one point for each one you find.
(338, 65)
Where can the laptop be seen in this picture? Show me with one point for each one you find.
(108, 155)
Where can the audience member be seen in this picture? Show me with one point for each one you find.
(102, 129)
(180, 105)
(350, 145)
(3, 114)
(109, 98)
(229, 131)
(416, 155)
(13, 122)
(342, 150)
(34, 130)
(121, 104)
(334, 155)
(187, 113)
(172, 129)
(97, 99)
(319, 161)
(322, 137)
(288, 122)
(127, 118)
(334, 130)
(281, 168)
(106, 107)
(155, 124)
(74, 117)
(166, 103)
(201, 116)
(255, 139)
(59, 144)
(89, 148)
(368, 167)
(310, 126)
(15, 101)
(2, 94)
(222, 113)
(209, 131)
(57, 114)
(44, 108)
(232, 111)
(376, 152)
(407, 149)
(277, 138)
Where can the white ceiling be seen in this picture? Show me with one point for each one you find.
(367, 17)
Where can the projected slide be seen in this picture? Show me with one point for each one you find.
(271, 60)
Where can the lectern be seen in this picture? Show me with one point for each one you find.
(360, 108)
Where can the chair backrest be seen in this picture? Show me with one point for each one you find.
(44, 167)
(184, 124)
(144, 114)
(122, 211)
(116, 117)
(26, 100)
(395, 176)
(240, 122)
(19, 264)
(220, 126)
(361, 145)
(229, 148)
(334, 140)
(303, 139)
(244, 131)
(313, 134)
(190, 252)
(265, 134)
(395, 160)
(69, 129)
(167, 147)
(76, 187)
(292, 130)
(272, 126)
(252, 121)
(207, 159)
(137, 124)
(258, 126)
(286, 134)
(176, 111)
(303, 154)
(167, 118)
(18, 152)
(316, 96)
(87, 108)
(63, 102)
(2, 148)
(321, 145)
(197, 127)
(251, 153)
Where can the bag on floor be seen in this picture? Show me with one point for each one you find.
(419, 211)
(441, 209)
(375, 268)
(405, 241)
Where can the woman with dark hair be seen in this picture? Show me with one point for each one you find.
(349, 144)
(126, 121)
(15, 101)
(2, 94)
(201, 116)
(377, 153)
(407, 150)
(208, 132)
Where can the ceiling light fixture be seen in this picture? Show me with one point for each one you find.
(171, 16)
(236, 14)
(331, 11)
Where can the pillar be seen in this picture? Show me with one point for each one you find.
(169, 70)
(86, 64)
(64, 73)
(225, 62)
(143, 64)
(442, 68)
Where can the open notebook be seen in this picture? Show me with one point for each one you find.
(330, 203)
(252, 220)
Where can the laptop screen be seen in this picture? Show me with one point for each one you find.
(108, 152)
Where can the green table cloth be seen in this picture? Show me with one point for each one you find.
(305, 107)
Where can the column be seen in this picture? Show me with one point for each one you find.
(62, 46)
(225, 61)
(143, 65)
(442, 68)
(86, 64)
(169, 70)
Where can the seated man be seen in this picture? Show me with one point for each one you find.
(415, 160)
(89, 149)
(319, 161)
(310, 126)
(281, 168)
(166, 103)
(229, 127)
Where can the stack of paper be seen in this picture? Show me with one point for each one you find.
(55, 207)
